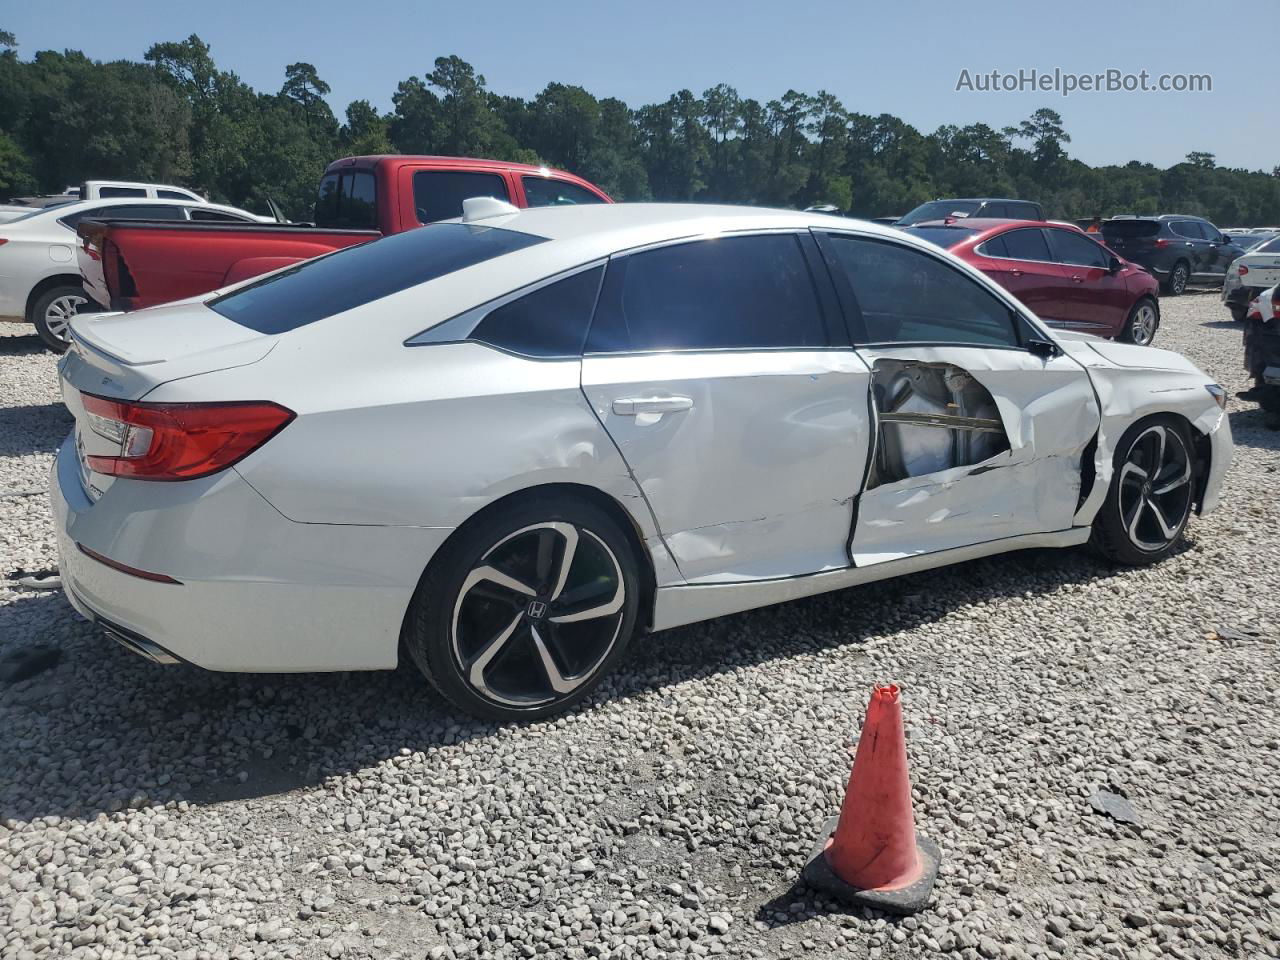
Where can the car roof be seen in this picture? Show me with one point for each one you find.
(63, 209)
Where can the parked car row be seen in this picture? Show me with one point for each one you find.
(40, 278)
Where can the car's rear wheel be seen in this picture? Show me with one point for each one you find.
(1238, 311)
(54, 310)
(1176, 285)
(525, 611)
(1149, 502)
(1140, 326)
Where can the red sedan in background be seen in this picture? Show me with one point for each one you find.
(1063, 274)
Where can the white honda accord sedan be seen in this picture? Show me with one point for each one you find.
(506, 444)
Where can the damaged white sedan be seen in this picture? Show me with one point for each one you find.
(506, 444)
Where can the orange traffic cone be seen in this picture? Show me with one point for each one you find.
(871, 855)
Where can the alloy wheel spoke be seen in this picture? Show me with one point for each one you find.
(494, 575)
(570, 534)
(1168, 531)
(1168, 484)
(606, 609)
(1130, 470)
(475, 672)
(559, 683)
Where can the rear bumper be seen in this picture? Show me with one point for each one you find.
(256, 592)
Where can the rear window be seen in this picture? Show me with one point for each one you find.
(347, 201)
(358, 275)
(945, 237)
(940, 210)
(1270, 246)
(109, 193)
(1127, 229)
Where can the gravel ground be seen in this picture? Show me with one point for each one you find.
(148, 811)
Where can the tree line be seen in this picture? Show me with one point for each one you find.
(177, 118)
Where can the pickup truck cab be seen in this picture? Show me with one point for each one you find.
(129, 265)
(114, 189)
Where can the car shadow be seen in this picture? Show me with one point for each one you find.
(104, 729)
(1223, 325)
(1254, 427)
(38, 428)
(21, 344)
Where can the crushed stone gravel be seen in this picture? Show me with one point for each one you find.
(153, 811)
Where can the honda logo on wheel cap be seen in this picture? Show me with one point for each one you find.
(537, 610)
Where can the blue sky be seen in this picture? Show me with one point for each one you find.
(902, 58)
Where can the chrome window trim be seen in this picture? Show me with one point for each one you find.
(458, 328)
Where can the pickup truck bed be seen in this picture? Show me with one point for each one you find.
(164, 263)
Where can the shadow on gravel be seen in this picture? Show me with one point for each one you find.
(21, 345)
(105, 729)
(1249, 428)
(781, 911)
(1223, 325)
(38, 428)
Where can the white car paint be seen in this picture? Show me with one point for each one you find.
(39, 248)
(305, 555)
(113, 189)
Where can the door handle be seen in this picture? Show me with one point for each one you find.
(1076, 278)
(631, 406)
(1015, 273)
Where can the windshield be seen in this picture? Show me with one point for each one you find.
(939, 210)
(945, 237)
(329, 285)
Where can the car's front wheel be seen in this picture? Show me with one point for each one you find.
(1149, 502)
(54, 310)
(525, 611)
(1140, 326)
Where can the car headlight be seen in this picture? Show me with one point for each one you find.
(1218, 393)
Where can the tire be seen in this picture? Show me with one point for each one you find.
(1238, 311)
(486, 626)
(53, 310)
(1138, 524)
(1176, 284)
(1141, 324)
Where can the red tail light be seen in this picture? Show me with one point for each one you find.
(179, 441)
(3, 241)
(1243, 270)
(1161, 242)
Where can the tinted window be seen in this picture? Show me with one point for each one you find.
(940, 210)
(945, 237)
(358, 275)
(174, 195)
(108, 193)
(907, 296)
(1268, 246)
(1026, 244)
(128, 211)
(1211, 232)
(347, 201)
(994, 210)
(438, 194)
(731, 292)
(215, 216)
(1126, 229)
(1023, 211)
(550, 322)
(1186, 228)
(544, 192)
(1077, 250)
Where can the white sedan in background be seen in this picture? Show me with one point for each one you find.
(39, 274)
(503, 445)
(1256, 270)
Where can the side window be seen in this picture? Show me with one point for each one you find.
(438, 194)
(110, 193)
(546, 192)
(1077, 250)
(1211, 232)
(1024, 211)
(995, 247)
(135, 211)
(214, 216)
(1186, 228)
(731, 292)
(908, 296)
(1027, 244)
(995, 211)
(175, 195)
(551, 321)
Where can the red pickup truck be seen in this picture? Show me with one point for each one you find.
(129, 264)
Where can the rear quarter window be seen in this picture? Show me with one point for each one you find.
(1130, 229)
(358, 275)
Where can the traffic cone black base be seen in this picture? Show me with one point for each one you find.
(909, 899)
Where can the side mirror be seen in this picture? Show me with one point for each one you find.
(1044, 349)
(1115, 265)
